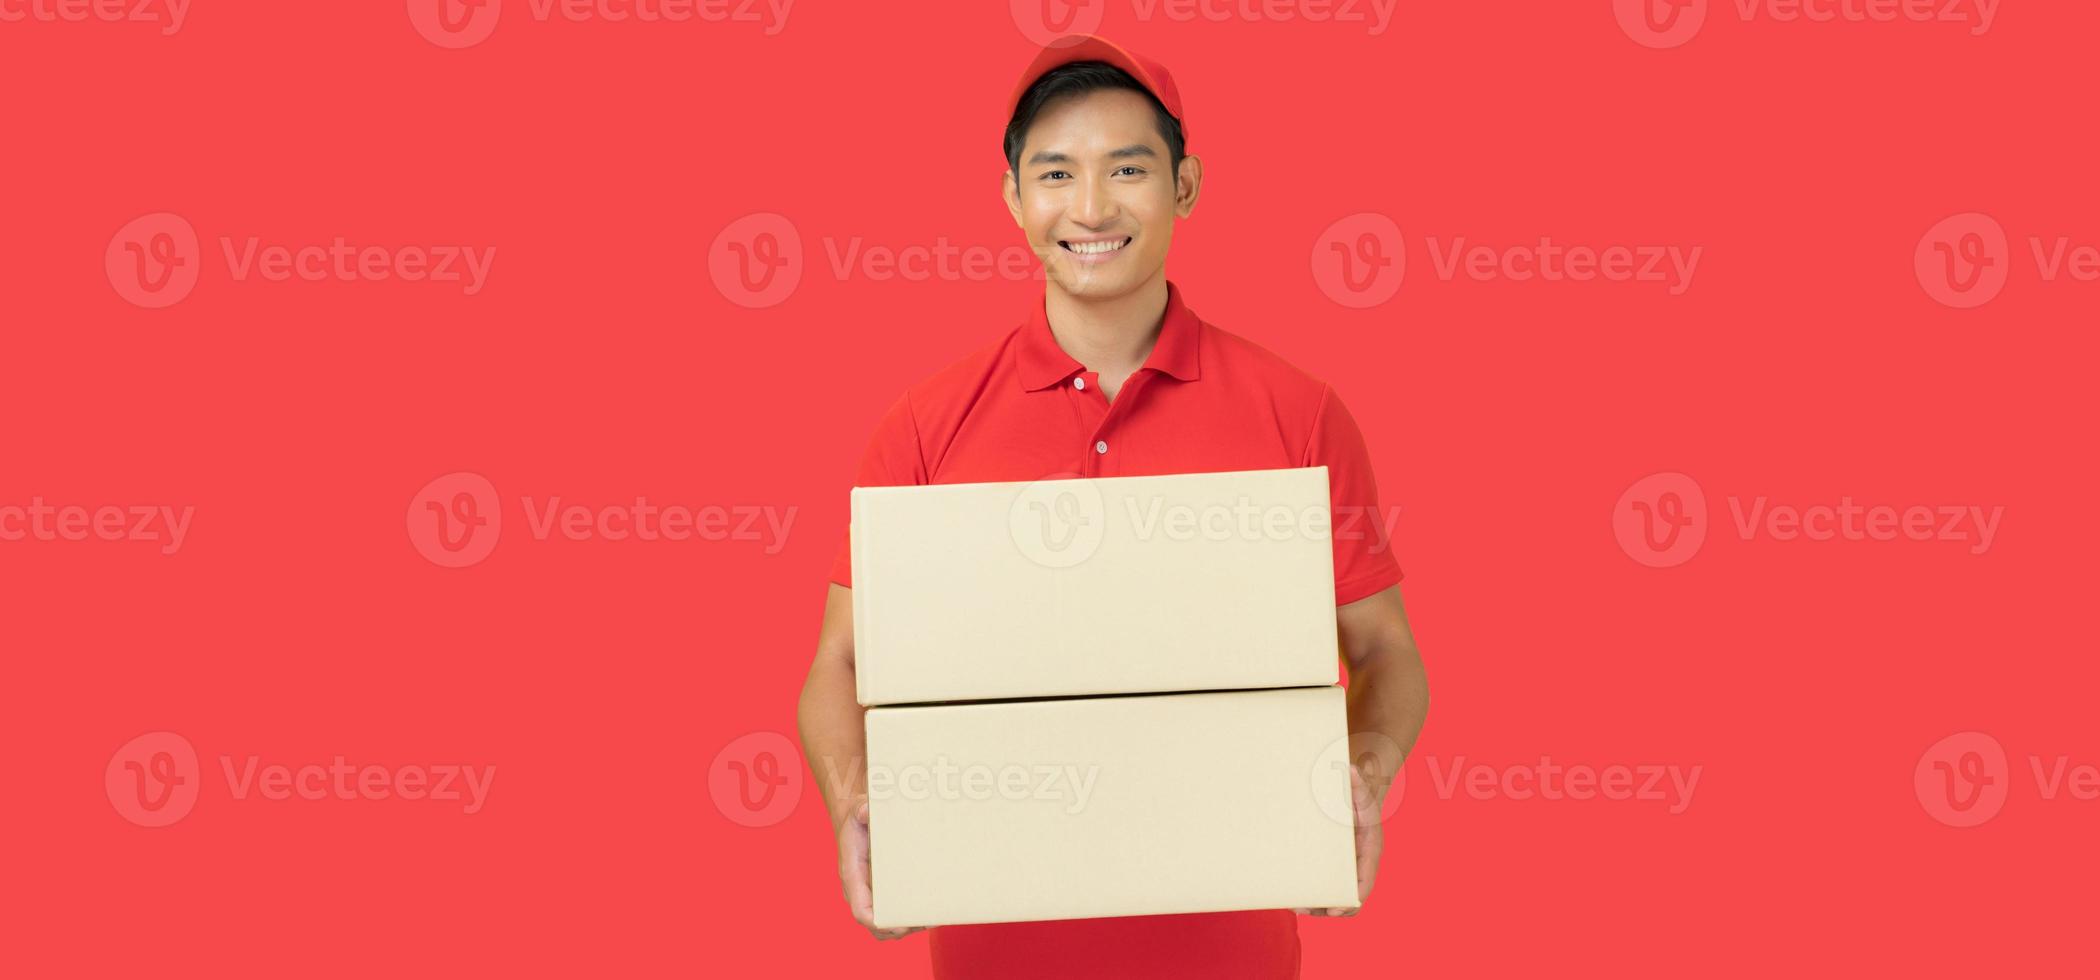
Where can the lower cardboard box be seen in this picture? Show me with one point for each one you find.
(1067, 808)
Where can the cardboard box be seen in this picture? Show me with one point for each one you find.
(1212, 581)
(1087, 807)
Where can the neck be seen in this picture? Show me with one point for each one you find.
(1112, 337)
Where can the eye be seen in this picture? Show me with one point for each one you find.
(1053, 175)
(1134, 170)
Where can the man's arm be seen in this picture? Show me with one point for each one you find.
(1388, 691)
(1388, 700)
(834, 740)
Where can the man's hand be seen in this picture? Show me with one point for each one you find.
(1388, 698)
(1370, 842)
(853, 874)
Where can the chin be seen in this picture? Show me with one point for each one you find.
(1095, 285)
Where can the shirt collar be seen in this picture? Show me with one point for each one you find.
(1043, 364)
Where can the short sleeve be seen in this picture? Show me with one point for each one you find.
(892, 459)
(1364, 564)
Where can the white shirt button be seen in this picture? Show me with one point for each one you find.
(1101, 447)
(1079, 383)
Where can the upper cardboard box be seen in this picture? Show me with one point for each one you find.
(1112, 585)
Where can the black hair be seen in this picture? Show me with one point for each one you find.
(1077, 79)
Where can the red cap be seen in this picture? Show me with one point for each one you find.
(1087, 47)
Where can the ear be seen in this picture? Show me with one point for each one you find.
(1188, 185)
(1011, 189)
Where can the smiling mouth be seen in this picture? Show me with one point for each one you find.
(1094, 248)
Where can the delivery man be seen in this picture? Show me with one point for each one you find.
(1114, 374)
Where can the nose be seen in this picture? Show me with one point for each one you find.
(1096, 205)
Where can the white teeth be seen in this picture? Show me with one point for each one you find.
(1095, 248)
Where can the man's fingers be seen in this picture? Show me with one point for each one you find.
(1360, 796)
(853, 876)
(860, 901)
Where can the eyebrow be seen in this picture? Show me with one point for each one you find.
(1121, 153)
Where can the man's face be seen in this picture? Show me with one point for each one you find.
(1095, 194)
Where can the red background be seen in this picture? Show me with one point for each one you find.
(298, 621)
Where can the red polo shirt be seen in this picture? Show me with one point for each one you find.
(1204, 401)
